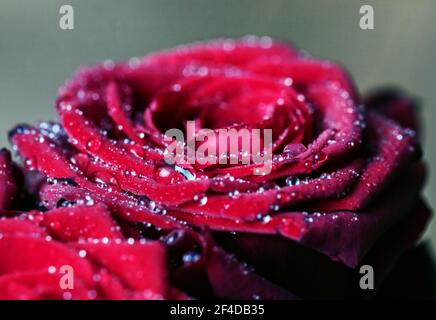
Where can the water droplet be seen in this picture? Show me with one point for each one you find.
(108, 64)
(51, 269)
(264, 218)
(96, 277)
(287, 82)
(234, 194)
(274, 207)
(94, 144)
(55, 225)
(229, 45)
(203, 201)
(152, 205)
(292, 181)
(31, 163)
(134, 62)
(172, 238)
(186, 173)
(301, 98)
(280, 102)
(89, 201)
(325, 176)
(164, 172)
(136, 150)
(307, 163)
(191, 257)
(80, 94)
(176, 87)
(92, 294)
(67, 295)
(106, 179)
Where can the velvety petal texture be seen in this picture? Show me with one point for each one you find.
(94, 191)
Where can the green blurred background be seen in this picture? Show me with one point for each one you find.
(36, 56)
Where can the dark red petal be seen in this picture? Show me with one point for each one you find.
(395, 105)
(248, 206)
(203, 268)
(241, 281)
(391, 148)
(347, 236)
(8, 188)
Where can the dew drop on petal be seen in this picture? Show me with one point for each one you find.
(67, 295)
(55, 225)
(203, 200)
(92, 294)
(164, 172)
(94, 145)
(287, 82)
(190, 257)
(292, 181)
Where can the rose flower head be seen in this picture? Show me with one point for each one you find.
(230, 169)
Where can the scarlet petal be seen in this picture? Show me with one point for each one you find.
(225, 52)
(72, 224)
(123, 206)
(21, 286)
(41, 153)
(39, 254)
(15, 226)
(139, 266)
(248, 206)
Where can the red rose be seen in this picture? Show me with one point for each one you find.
(344, 181)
